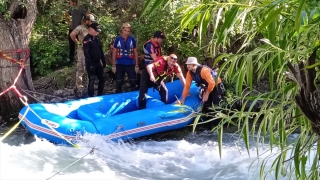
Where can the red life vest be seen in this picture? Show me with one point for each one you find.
(161, 69)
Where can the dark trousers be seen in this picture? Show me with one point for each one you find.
(72, 46)
(214, 98)
(112, 75)
(120, 72)
(145, 83)
(94, 71)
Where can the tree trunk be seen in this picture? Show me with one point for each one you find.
(15, 34)
(307, 98)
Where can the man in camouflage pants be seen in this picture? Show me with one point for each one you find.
(77, 36)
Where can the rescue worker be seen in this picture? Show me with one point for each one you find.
(152, 48)
(77, 36)
(125, 58)
(77, 14)
(211, 87)
(154, 74)
(94, 58)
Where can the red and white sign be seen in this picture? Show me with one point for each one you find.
(50, 123)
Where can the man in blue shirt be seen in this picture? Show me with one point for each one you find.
(125, 58)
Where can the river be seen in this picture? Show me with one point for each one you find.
(195, 157)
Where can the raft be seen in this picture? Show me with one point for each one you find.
(114, 116)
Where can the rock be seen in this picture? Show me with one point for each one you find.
(56, 100)
(41, 98)
(58, 93)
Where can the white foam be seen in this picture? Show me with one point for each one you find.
(183, 159)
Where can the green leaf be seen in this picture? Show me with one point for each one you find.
(146, 7)
(229, 18)
(205, 19)
(220, 134)
(298, 15)
(313, 65)
(271, 17)
(296, 158)
(195, 123)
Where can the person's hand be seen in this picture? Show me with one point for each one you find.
(152, 78)
(114, 69)
(205, 97)
(180, 102)
(136, 68)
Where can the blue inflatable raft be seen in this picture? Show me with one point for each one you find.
(113, 116)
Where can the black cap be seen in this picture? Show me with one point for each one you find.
(95, 26)
(159, 34)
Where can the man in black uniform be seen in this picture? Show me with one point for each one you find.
(94, 58)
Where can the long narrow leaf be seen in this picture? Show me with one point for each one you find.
(230, 17)
(271, 17)
(298, 16)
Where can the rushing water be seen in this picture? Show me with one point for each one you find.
(24, 156)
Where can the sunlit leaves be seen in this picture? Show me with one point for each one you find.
(271, 34)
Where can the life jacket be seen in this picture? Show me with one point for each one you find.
(126, 51)
(147, 57)
(203, 84)
(160, 69)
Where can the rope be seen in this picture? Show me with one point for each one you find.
(21, 119)
(13, 87)
(74, 145)
(40, 93)
(33, 97)
(90, 152)
(13, 66)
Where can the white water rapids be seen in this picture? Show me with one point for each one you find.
(196, 157)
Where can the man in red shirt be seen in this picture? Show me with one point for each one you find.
(155, 73)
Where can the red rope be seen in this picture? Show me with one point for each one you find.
(4, 55)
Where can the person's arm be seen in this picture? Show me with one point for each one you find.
(66, 15)
(152, 51)
(114, 53)
(149, 69)
(135, 52)
(178, 72)
(74, 34)
(206, 75)
(154, 56)
(186, 87)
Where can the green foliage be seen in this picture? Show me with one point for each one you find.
(283, 31)
(49, 40)
(166, 20)
(48, 55)
(4, 6)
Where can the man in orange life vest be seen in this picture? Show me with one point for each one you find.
(152, 48)
(211, 87)
(155, 73)
(125, 58)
